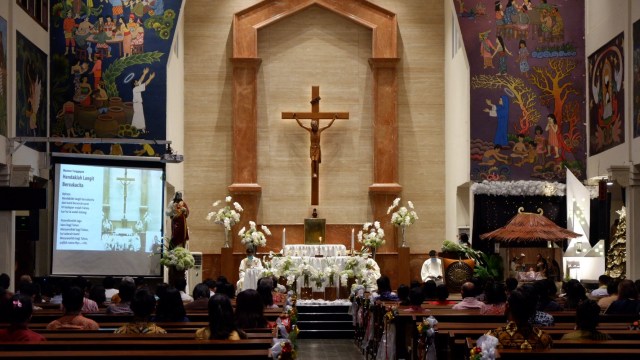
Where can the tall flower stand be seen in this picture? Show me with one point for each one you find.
(175, 275)
(345, 289)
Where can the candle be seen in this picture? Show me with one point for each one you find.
(320, 239)
(352, 238)
(284, 237)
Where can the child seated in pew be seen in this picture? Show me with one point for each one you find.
(19, 309)
(416, 297)
(72, 300)
(222, 325)
(250, 310)
(142, 305)
(587, 318)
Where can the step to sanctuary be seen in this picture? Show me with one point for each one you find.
(325, 322)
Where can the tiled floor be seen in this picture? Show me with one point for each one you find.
(329, 349)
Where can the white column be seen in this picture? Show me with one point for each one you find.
(7, 245)
(633, 223)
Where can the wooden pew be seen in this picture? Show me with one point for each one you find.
(571, 354)
(139, 354)
(136, 343)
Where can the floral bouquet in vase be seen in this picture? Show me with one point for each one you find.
(226, 216)
(371, 236)
(403, 217)
(254, 237)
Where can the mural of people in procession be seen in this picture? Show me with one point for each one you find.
(108, 63)
(3, 77)
(526, 60)
(606, 96)
(636, 79)
(31, 91)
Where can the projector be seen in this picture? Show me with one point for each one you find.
(172, 158)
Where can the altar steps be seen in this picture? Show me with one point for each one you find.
(325, 322)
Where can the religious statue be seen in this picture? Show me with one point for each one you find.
(178, 211)
(314, 152)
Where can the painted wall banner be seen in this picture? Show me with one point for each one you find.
(3, 77)
(108, 64)
(31, 91)
(527, 88)
(606, 96)
(636, 79)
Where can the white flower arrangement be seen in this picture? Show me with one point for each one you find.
(307, 271)
(371, 235)
(519, 188)
(254, 237)
(179, 258)
(226, 215)
(330, 272)
(364, 269)
(403, 216)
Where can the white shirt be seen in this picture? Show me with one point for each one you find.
(431, 269)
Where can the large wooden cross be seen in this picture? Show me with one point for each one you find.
(314, 131)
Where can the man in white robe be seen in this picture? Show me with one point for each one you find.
(432, 269)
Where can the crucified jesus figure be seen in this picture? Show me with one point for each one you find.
(314, 133)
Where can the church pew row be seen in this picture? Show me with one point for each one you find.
(571, 354)
(139, 343)
(92, 335)
(139, 354)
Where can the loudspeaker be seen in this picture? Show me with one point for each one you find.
(29, 225)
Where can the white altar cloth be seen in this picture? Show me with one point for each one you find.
(312, 250)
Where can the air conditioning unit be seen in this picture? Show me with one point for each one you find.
(194, 275)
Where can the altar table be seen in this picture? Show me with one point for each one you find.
(312, 250)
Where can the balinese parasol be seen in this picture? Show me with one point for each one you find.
(528, 227)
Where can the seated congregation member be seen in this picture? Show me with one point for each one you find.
(222, 325)
(416, 297)
(73, 318)
(201, 295)
(539, 318)
(265, 291)
(126, 290)
(587, 318)
(384, 292)
(442, 296)
(574, 294)
(519, 333)
(432, 269)
(18, 312)
(116, 298)
(181, 285)
(88, 305)
(110, 289)
(612, 290)
(97, 294)
(601, 291)
(511, 284)
(211, 284)
(495, 299)
(628, 302)
(547, 290)
(143, 304)
(250, 310)
(429, 289)
(403, 295)
(469, 301)
(169, 306)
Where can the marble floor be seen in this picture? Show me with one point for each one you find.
(328, 349)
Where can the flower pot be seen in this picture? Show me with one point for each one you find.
(345, 289)
(318, 294)
(306, 293)
(330, 293)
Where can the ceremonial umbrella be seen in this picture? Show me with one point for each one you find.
(529, 228)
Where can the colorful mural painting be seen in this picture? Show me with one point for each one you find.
(31, 91)
(526, 62)
(108, 63)
(636, 79)
(606, 96)
(3, 77)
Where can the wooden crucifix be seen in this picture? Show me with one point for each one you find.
(315, 130)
